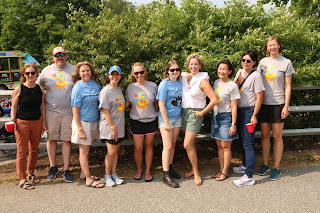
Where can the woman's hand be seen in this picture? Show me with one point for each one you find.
(115, 133)
(284, 113)
(254, 120)
(167, 126)
(44, 127)
(232, 130)
(82, 135)
(197, 114)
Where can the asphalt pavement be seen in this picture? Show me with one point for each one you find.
(298, 190)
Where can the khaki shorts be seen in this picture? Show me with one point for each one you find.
(59, 126)
(91, 129)
(190, 122)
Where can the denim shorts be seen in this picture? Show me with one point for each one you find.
(173, 122)
(221, 124)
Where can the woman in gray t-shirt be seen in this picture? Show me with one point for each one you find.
(277, 73)
(141, 95)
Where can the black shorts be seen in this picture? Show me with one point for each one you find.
(113, 142)
(271, 114)
(140, 129)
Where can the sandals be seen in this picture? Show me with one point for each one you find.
(148, 178)
(138, 176)
(34, 179)
(217, 175)
(222, 177)
(91, 184)
(188, 175)
(27, 186)
(95, 178)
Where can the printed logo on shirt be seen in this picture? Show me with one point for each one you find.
(120, 104)
(60, 80)
(142, 100)
(176, 101)
(217, 92)
(269, 72)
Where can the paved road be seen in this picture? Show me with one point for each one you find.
(297, 191)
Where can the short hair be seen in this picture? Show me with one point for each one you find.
(137, 64)
(230, 66)
(76, 76)
(196, 56)
(253, 55)
(24, 68)
(170, 63)
(265, 50)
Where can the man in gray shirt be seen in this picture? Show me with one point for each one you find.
(56, 78)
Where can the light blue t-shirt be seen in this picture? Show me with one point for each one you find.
(171, 93)
(86, 96)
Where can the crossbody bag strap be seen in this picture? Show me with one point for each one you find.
(246, 78)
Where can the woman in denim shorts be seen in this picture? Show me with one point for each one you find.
(169, 97)
(196, 88)
(223, 128)
(141, 95)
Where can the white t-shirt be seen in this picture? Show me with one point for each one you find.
(225, 92)
(192, 95)
(58, 84)
(249, 89)
(141, 98)
(274, 71)
(112, 99)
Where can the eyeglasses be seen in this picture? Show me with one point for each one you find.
(172, 70)
(244, 60)
(28, 73)
(137, 73)
(59, 54)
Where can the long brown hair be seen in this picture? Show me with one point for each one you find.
(76, 76)
(265, 50)
(170, 63)
(24, 68)
(137, 64)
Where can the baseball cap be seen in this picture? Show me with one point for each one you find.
(115, 68)
(58, 50)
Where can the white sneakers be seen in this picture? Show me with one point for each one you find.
(239, 169)
(244, 181)
(113, 180)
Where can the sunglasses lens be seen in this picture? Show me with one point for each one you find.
(172, 70)
(59, 54)
(137, 73)
(32, 73)
(244, 60)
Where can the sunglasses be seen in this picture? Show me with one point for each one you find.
(172, 70)
(28, 73)
(137, 73)
(59, 54)
(244, 60)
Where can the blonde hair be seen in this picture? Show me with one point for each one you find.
(24, 68)
(196, 56)
(265, 50)
(137, 64)
(76, 76)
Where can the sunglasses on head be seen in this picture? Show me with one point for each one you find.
(137, 73)
(28, 73)
(244, 60)
(59, 54)
(172, 70)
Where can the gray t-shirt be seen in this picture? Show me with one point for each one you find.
(225, 92)
(249, 89)
(141, 98)
(274, 71)
(111, 99)
(58, 84)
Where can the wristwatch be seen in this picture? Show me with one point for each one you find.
(233, 123)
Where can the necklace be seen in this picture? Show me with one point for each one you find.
(31, 89)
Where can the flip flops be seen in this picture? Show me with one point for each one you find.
(222, 177)
(138, 176)
(148, 178)
(216, 175)
(189, 175)
(93, 178)
(91, 184)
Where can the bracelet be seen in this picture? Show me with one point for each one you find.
(80, 128)
(111, 127)
(200, 113)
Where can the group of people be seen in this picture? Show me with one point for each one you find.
(76, 110)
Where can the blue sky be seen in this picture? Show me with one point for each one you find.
(219, 3)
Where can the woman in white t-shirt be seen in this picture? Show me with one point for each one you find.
(141, 95)
(223, 128)
(112, 123)
(277, 73)
(196, 88)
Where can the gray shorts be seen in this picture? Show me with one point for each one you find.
(190, 122)
(59, 126)
(91, 129)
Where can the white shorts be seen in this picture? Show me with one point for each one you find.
(91, 129)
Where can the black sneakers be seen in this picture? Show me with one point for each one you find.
(53, 171)
(168, 180)
(173, 173)
(67, 176)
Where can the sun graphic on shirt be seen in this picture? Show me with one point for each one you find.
(120, 104)
(217, 92)
(269, 72)
(142, 100)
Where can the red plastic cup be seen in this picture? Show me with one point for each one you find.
(9, 126)
(250, 127)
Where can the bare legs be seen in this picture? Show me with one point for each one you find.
(224, 153)
(66, 152)
(169, 139)
(111, 158)
(189, 145)
(138, 147)
(277, 129)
